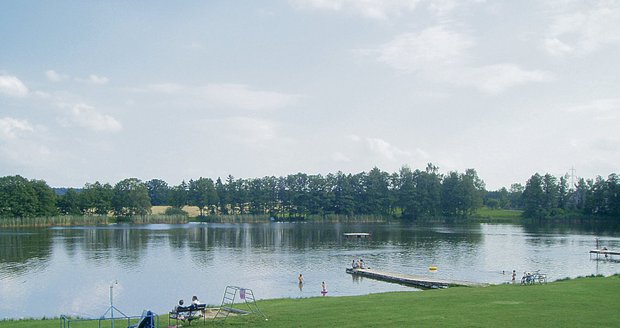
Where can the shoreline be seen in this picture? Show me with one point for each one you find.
(573, 302)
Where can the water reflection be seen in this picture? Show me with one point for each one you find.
(23, 250)
(156, 265)
(101, 245)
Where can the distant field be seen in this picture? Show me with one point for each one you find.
(498, 214)
(192, 211)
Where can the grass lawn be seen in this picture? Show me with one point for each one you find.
(583, 302)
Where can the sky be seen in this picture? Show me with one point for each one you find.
(107, 90)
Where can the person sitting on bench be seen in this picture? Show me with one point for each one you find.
(190, 312)
(177, 312)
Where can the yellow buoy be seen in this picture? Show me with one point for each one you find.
(432, 268)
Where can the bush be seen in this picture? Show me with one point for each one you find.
(175, 211)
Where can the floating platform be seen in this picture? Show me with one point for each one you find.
(356, 234)
(412, 280)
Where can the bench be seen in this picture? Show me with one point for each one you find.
(188, 313)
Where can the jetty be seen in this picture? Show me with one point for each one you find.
(412, 280)
(604, 251)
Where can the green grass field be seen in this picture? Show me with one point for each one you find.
(497, 215)
(582, 302)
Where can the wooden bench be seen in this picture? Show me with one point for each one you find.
(188, 313)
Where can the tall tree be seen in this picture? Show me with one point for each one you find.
(406, 193)
(202, 194)
(377, 191)
(613, 195)
(534, 198)
(131, 197)
(451, 196)
(428, 191)
(343, 195)
(47, 199)
(551, 191)
(22, 198)
(516, 195)
(159, 192)
(179, 195)
(69, 203)
(223, 198)
(96, 198)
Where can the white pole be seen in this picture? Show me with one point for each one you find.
(112, 304)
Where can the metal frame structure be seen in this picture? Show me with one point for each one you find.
(228, 302)
(65, 321)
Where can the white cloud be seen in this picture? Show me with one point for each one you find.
(55, 76)
(25, 153)
(441, 54)
(606, 110)
(354, 137)
(432, 47)
(498, 78)
(11, 127)
(379, 147)
(556, 47)
(22, 144)
(584, 28)
(94, 79)
(87, 117)
(167, 88)
(229, 95)
(385, 149)
(340, 157)
(382, 9)
(242, 130)
(12, 86)
(242, 96)
(377, 9)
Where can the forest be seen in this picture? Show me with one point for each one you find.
(407, 194)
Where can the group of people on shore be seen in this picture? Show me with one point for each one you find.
(358, 264)
(187, 312)
(527, 277)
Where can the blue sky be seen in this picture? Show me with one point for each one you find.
(101, 91)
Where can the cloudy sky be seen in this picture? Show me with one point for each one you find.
(106, 90)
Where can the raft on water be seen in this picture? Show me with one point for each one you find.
(356, 234)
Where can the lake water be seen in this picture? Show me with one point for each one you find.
(54, 271)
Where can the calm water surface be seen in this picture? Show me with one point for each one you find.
(49, 272)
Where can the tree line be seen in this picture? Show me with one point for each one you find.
(407, 194)
(546, 196)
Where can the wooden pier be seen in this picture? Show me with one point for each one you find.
(604, 251)
(412, 280)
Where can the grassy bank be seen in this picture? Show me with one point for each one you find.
(158, 215)
(583, 302)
